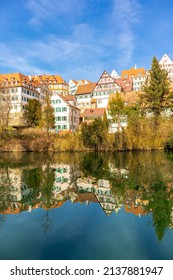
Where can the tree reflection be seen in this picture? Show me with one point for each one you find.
(160, 205)
(47, 182)
(131, 176)
(138, 179)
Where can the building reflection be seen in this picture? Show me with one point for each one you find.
(50, 185)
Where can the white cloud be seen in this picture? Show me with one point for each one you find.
(85, 50)
(16, 63)
(72, 57)
(51, 10)
(126, 14)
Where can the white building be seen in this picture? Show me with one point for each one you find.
(84, 96)
(66, 115)
(167, 64)
(73, 85)
(114, 74)
(105, 86)
(18, 88)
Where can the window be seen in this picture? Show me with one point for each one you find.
(58, 109)
(64, 126)
(64, 118)
(64, 109)
(58, 127)
(58, 119)
(58, 101)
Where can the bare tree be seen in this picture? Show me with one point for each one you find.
(5, 108)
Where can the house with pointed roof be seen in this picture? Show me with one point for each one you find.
(167, 64)
(105, 86)
(67, 116)
(114, 74)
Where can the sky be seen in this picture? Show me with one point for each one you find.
(79, 39)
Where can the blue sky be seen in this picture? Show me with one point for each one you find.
(79, 39)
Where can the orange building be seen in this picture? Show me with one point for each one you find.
(138, 75)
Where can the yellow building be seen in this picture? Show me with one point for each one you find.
(53, 82)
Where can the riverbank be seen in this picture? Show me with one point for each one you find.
(142, 136)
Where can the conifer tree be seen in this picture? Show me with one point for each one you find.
(156, 91)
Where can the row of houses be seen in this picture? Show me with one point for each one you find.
(75, 101)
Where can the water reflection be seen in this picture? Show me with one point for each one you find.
(140, 183)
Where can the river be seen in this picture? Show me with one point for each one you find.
(76, 206)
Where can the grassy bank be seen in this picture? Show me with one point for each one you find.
(142, 135)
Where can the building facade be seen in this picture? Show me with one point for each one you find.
(105, 86)
(167, 64)
(67, 116)
(54, 83)
(84, 96)
(138, 76)
(17, 89)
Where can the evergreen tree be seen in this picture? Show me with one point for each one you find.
(157, 90)
(33, 112)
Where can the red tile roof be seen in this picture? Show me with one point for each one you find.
(69, 98)
(48, 79)
(125, 83)
(84, 89)
(95, 112)
(16, 79)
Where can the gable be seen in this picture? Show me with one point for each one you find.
(105, 78)
(165, 60)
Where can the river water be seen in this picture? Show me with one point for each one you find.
(77, 206)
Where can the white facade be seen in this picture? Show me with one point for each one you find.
(114, 74)
(104, 87)
(14, 187)
(72, 86)
(19, 97)
(83, 100)
(66, 115)
(167, 64)
(138, 82)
